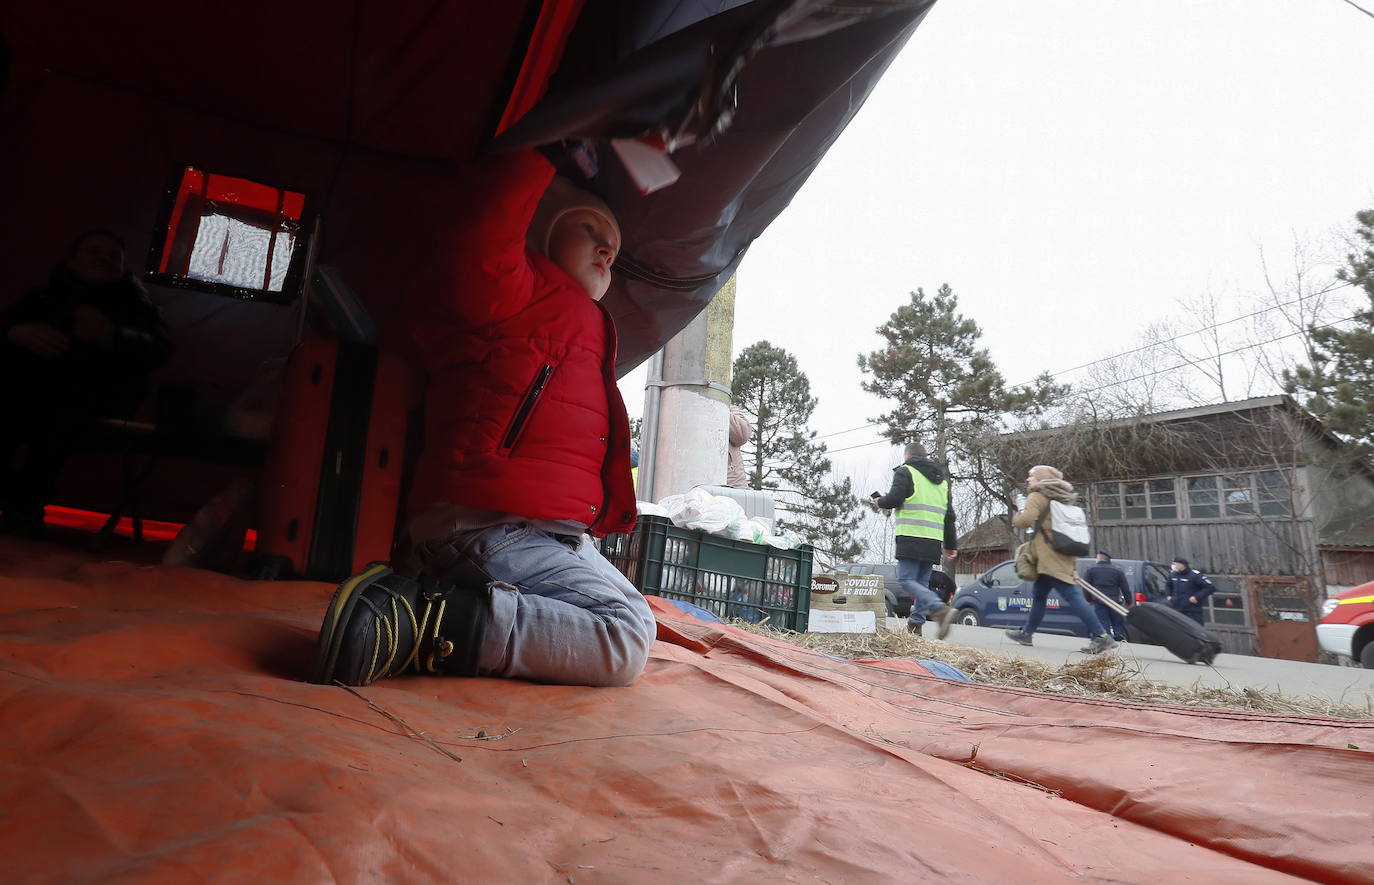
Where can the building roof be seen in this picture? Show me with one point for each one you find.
(1278, 403)
(988, 535)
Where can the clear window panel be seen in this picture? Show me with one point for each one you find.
(1203, 511)
(1228, 618)
(1170, 512)
(1239, 507)
(232, 252)
(1105, 489)
(1275, 508)
(1109, 514)
(1162, 485)
(1221, 599)
(1135, 499)
(1202, 483)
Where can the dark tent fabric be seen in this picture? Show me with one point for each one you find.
(370, 106)
(155, 730)
(795, 81)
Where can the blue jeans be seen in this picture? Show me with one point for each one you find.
(1112, 623)
(915, 579)
(1067, 592)
(569, 617)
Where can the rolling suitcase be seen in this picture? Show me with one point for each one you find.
(1164, 626)
(332, 483)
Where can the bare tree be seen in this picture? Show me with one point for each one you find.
(1304, 294)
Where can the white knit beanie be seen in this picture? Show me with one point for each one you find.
(561, 198)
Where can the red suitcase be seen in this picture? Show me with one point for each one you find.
(332, 483)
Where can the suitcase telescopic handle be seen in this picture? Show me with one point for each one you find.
(1101, 597)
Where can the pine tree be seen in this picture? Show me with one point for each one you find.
(775, 395)
(1339, 384)
(782, 453)
(947, 391)
(823, 510)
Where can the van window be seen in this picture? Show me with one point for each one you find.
(1156, 582)
(1002, 576)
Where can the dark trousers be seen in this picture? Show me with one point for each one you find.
(44, 406)
(1112, 623)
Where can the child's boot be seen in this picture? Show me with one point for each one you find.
(379, 623)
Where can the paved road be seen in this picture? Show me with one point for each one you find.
(1347, 685)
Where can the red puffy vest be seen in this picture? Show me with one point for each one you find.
(522, 412)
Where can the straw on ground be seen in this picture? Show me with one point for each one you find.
(1101, 676)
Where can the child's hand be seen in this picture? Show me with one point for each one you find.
(573, 159)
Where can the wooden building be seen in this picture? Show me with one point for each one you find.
(1255, 494)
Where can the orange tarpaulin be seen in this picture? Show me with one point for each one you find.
(153, 729)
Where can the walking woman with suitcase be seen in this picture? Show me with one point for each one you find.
(1055, 571)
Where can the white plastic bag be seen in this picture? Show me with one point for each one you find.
(701, 510)
(754, 531)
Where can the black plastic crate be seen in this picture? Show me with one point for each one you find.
(734, 579)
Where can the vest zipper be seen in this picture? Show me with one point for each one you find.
(522, 414)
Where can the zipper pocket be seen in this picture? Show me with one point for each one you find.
(522, 414)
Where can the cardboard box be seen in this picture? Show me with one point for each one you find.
(843, 603)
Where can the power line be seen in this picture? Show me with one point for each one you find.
(1360, 8)
(1212, 356)
(1199, 331)
(850, 430)
(1141, 377)
(1123, 353)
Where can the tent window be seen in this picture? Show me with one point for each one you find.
(232, 236)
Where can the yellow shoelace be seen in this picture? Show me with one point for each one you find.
(388, 635)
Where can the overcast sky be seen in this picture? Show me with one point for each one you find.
(1071, 169)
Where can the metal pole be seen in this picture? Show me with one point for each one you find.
(648, 428)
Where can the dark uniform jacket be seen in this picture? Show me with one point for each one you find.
(1189, 582)
(1111, 580)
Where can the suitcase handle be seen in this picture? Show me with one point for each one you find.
(1101, 597)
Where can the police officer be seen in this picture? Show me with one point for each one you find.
(1188, 589)
(925, 528)
(1111, 580)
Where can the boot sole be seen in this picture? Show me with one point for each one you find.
(340, 609)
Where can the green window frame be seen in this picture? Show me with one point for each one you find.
(1151, 499)
(1239, 495)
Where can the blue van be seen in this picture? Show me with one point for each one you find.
(998, 598)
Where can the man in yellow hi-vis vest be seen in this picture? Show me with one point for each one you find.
(924, 507)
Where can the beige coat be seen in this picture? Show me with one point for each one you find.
(736, 477)
(1048, 560)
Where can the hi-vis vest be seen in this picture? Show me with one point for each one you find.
(923, 514)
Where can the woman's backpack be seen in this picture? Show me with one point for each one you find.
(1068, 532)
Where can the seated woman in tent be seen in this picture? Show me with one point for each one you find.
(78, 348)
